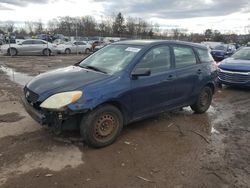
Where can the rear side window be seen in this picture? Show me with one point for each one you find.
(205, 56)
(38, 42)
(184, 56)
(157, 60)
(28, 42)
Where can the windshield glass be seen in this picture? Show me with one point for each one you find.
(112, 58)
(221, 47)
(243, 53)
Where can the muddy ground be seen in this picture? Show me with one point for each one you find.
(175, 149)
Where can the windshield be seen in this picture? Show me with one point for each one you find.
(243, 54)
(112, 58)
(221, 47)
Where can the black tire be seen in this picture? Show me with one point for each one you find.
(12, 51)
(87, 51)
(67, 51)
(102, 126)
(203, 101)
(47, 52)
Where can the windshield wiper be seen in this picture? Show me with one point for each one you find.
(94, 68)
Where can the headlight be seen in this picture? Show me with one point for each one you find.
(60, 100)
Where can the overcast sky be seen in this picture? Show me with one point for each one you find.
(194, 15)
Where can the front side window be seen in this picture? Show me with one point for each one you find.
(204, 56)
(112, 58)
(184, 56)
(157, 60)
(27, 42)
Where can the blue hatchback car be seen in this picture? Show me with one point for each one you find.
(235, 71)
(121, 83)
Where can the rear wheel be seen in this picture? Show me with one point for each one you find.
(47, 52)
(67, 51)
(87, 51)
(12, 52)
(203, 101)
(102, 126)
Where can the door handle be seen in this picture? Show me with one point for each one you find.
(169, 77)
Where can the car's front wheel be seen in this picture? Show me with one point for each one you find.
(47, 52)
(102, 126)
(12, 51)
(203, 101)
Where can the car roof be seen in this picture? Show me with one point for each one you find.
(157, 42)
(35, 40)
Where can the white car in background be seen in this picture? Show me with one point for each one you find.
(74, 47)
(28, 47)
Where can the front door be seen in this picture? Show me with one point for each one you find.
(153, 93)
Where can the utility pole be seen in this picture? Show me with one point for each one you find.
(9, 44)
(76, 41)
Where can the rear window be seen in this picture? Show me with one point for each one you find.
(205, 56)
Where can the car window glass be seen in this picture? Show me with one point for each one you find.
(184, 56)
(157, 60)
(27, 42)
(205, 56)
(38, 42)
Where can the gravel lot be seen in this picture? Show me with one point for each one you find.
(174, 149)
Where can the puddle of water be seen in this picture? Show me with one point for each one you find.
(17, 77)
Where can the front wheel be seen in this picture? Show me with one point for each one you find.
(87, 51)
(46, 52)
(102, 126)
(12, 52)
(203, 101)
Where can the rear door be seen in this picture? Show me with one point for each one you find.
(39, 46)
(188, 72)
(26, 47)
(153, 93)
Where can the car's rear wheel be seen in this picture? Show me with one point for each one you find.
(102, 126)
(47, 52)
(12, 51)
(87, 51)
(203, 101)
(67, 51)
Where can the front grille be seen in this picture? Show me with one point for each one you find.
(31, 96)
(234, 77)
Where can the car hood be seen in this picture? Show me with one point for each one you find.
(64, 79)
(235, 65)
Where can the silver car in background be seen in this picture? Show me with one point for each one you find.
(29, 47)
(74, 47)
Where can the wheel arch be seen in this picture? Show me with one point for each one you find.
(120, 107)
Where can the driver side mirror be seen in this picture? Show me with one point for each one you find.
(140, 72)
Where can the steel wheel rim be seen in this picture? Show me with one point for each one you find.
(106, 127)
(204, 99)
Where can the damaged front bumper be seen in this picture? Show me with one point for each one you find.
(65, 120)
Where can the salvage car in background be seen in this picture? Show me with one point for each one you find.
(221, 52)
(121, 83)
(236, 69)
(73, 47)
(29, 47)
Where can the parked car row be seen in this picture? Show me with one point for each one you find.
(42, 47)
